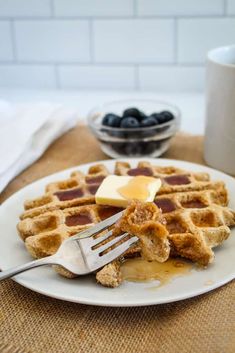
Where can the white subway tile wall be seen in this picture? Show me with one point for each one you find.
(91, 8)
(25, 8)
(6, 45)
(28, 76)
(88, 76)
(178, 78)
(180, 7)
(108, 44)
(231, 7)
(133, 41)
(197, 36)
(52, 41)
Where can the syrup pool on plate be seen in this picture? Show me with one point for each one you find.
(140, 270)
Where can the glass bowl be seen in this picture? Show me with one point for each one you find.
(149, 141)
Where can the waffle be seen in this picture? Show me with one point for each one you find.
(77, 190)
(44, 234)
(173, 179)
(195, 209)
(197, 221)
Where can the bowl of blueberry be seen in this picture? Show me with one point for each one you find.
(134, 128)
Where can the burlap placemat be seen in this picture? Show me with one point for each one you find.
(30, 322)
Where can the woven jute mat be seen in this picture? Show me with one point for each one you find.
(30, 322)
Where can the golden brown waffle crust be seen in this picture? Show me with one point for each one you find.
(44, 234)
(57, 194)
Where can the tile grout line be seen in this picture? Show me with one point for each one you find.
(52, 8)
(136, 77)
(91, 42)
(175, 41)
(57, 76)
(135, 14)
(104, 18)
(13, 40)
(225, 8)
(101, 64)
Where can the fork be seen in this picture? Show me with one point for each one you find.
(83, 253)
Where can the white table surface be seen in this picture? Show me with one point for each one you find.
(190, 104)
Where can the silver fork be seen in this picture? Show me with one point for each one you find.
(82, 253)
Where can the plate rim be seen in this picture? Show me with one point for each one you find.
(137, 302)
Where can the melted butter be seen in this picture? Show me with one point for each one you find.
(140, 270)
(136, 188)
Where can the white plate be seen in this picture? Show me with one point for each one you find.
(84, 289)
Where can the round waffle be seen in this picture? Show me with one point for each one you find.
(195, 209)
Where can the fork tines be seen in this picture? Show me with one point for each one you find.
(99, 251)
(98, 228)
(104, 249)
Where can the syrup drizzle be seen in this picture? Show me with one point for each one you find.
(177, 180)
(136, 188)
(166, 205)
(140, 270)
(95, 180)
(69, 194)
(140, 171)
(77, 220)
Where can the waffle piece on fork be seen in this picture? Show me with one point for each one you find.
(143, 219)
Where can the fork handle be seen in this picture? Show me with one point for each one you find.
(49, 260)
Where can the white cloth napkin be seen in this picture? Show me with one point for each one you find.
(26, 130)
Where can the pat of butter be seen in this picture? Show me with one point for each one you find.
(119, 190)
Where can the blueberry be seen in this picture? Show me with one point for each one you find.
(129, 122)
(135, 113)
(133, 149)
(116, 133)
(149, 121)
(165, 116)
(111, 120)
(119, 147)
(156, 116)
(142, 116)
(148, 147)
(131, 112)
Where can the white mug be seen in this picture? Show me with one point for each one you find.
(219, 147)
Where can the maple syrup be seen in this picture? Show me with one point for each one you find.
(140, 171)
(140, 270)
(69, 194)
(78, 220)
(136, 188)
(166, 205)
(177, 180)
